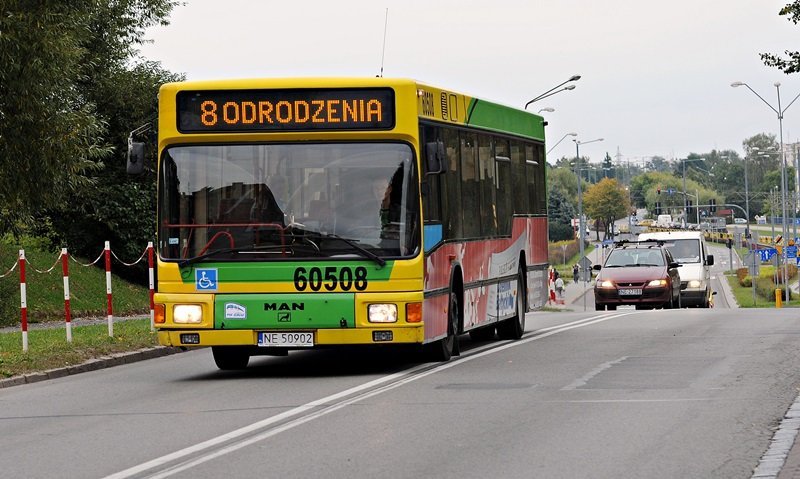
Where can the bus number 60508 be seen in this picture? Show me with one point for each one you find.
(329, 278)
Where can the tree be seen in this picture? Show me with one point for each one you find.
(71, 79)
(608, 167)
(560, 214)
(607, 201)
(790, 63)
(49, 136)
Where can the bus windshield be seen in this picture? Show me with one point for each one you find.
(263, 202)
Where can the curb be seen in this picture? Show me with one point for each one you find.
(94, 364)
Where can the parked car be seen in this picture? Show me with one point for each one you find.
(643, 274)
(740, 221)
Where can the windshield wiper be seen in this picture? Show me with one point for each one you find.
(300, 233)
(364, 252)
(186, 262)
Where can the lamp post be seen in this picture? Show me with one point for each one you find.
(559, 141)
(578, 144)
(555, 89)
(763, 153)
(779, 111)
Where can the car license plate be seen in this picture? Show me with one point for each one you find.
(287, 339)
(630, 292)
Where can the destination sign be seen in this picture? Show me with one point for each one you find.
(285, 110)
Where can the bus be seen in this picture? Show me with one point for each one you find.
(306, 213)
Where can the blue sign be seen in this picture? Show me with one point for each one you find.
(205, 279)
(767, 253)
(791, 251)
(607, 242)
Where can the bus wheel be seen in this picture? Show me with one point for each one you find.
(447, 347)
(512, 328)
(230, 358)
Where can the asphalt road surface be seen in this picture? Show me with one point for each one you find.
(667, 393)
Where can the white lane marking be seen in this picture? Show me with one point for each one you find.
(395, 380)
(588, 377)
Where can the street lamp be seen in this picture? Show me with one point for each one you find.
(559, 141)
(779, 111)
(578, 144)
(555, 89)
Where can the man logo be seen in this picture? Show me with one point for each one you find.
(235, 311)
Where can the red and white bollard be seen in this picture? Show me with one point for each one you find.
(152, 285)
(67, 312)
(23, 301)
(108, 289)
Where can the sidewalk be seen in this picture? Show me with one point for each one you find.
(572, 295)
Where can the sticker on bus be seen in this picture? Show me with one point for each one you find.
(205, 279)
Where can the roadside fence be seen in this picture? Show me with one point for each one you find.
(64, 258)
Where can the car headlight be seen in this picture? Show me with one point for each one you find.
(657, 283)
(187, 313)
(695, 283)
(382, 313)
(606, 283)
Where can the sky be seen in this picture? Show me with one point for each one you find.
(655, 76)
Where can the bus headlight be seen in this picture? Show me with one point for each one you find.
(187, 313)
(382, 313)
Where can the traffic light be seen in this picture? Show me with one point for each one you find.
(658, 190)
(712, 205)
(658, 208)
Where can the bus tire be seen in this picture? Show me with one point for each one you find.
(447, 347)
(513, 327)
(230, 358)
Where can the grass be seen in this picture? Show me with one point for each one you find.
(49, 349)
(565, 270)
(45, 290)
(744, 295)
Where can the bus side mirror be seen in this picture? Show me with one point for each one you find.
(434, 157)
(135, 158)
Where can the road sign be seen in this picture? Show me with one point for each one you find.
(751, 259)
(767, 253)
(791, 251)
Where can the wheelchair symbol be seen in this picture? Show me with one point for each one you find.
(206, 279)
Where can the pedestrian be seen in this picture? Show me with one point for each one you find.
(575, 275)
(560, 286)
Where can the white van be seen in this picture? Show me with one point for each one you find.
(664, 221)
(689, 249)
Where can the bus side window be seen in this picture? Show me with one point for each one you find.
(431, 202)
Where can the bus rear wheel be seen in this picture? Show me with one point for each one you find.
(230, 358)
(513, 327)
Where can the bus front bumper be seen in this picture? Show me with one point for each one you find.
(322, 337)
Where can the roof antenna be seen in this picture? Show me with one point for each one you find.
(383, 52)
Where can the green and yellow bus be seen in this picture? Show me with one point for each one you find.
(301, 213)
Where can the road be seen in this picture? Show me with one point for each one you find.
(689, 393)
